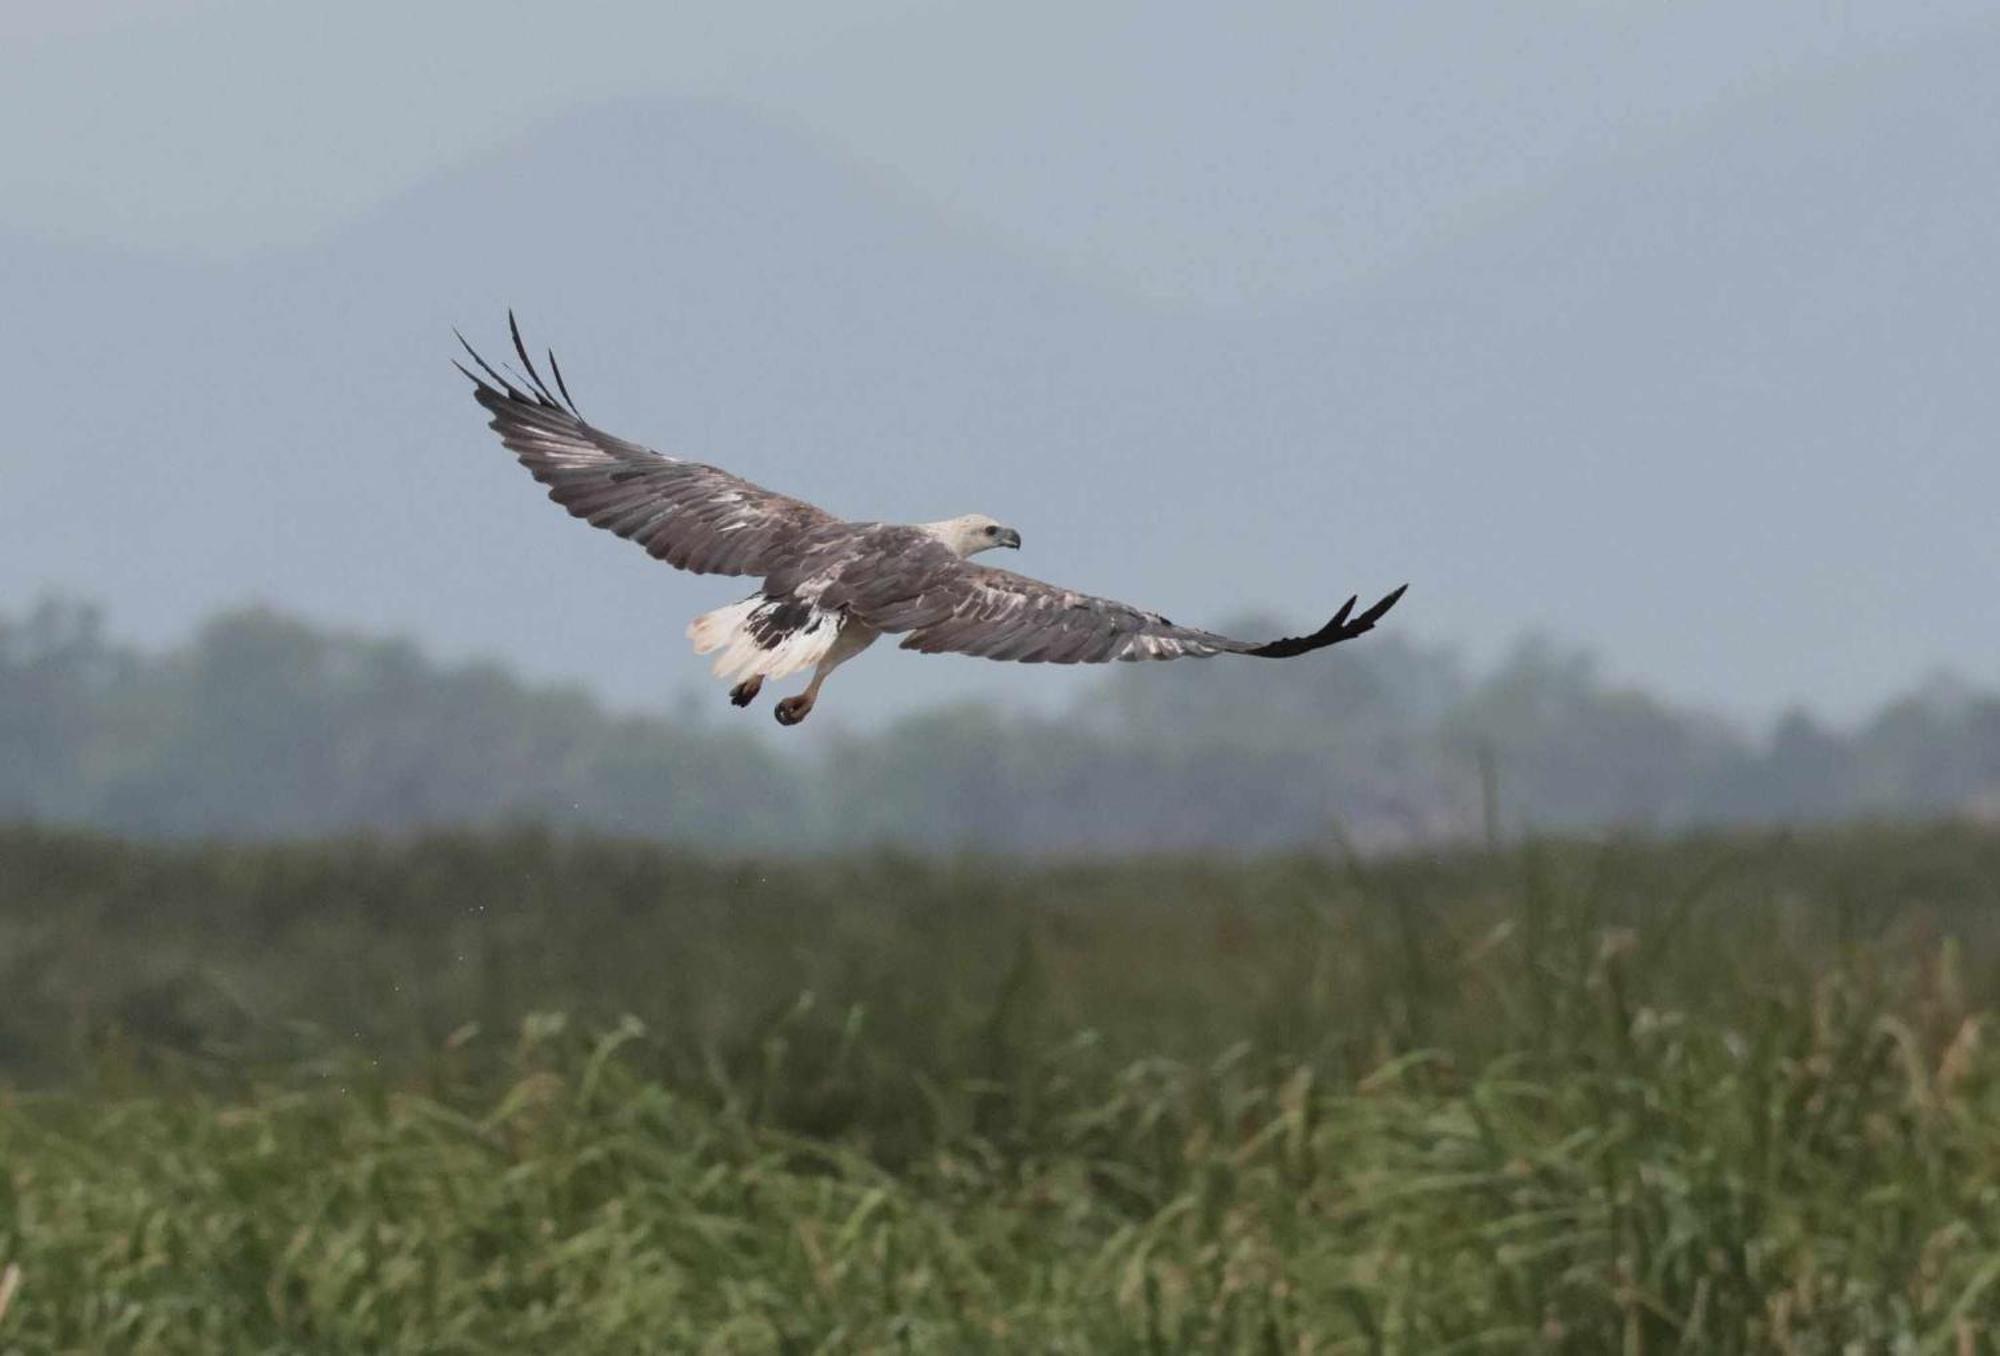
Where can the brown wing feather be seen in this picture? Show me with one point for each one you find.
(693, 516)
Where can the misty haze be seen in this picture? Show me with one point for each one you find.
(406, 946)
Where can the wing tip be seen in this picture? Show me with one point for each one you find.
(495, 388)
(1343, 626)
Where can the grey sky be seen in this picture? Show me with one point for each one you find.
(1197, 153)
(1666, 327)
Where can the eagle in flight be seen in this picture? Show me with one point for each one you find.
(830, 587)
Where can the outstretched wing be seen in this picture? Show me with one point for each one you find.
(947, 605)
(692, 516)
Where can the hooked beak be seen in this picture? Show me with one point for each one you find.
(1009, 537)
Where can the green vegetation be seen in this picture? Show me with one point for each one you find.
(1717, 1095)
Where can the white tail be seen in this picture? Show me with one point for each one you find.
(727, 633)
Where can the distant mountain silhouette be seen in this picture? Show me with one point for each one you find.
(1721, 408)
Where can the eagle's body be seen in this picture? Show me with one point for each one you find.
(831, 587)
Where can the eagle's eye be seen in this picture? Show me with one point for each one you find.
(992, 531)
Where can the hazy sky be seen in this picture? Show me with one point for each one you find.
(1662, 326)
(1197, 153)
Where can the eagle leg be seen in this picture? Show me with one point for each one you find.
(852, 640)
(792, 710)
(746, 691)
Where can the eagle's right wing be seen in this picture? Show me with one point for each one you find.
(692, 516)
(945, 605)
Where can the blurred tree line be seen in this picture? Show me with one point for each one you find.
(264, 726)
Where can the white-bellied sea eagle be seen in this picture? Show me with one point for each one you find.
(830, 587)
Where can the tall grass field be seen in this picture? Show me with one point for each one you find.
(529, 1093)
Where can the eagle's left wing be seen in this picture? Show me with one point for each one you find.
(693, 516)
(944, 604)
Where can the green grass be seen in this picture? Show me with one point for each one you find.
(1714, 1095)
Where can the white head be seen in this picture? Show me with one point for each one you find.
(972, 533)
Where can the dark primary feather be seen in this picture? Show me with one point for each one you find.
(693, 516)
(891, 578)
